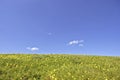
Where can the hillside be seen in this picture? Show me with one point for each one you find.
(58, 67)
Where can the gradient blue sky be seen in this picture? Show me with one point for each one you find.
(60, 26)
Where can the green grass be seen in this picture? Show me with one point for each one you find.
(58, 67)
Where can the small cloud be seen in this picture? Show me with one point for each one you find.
(76, 42)
(32, 48)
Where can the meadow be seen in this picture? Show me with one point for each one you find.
(58, 67)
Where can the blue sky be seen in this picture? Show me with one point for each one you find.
(60, 26)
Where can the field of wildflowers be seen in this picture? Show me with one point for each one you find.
(58, 67)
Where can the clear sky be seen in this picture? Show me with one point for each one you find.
(60, 26)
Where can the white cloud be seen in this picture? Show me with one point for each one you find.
(76, 42)
(32, 48)
(73, 42)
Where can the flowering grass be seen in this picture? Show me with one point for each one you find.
(58, 67)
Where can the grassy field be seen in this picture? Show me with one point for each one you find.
(58, 67)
